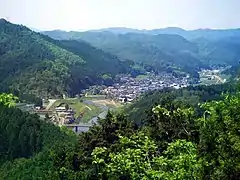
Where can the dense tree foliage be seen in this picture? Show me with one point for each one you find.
(175, 141)
(8, 99)
(219, 138)
(137, 158)
(23, 134)
(213, 155)
(23, 97)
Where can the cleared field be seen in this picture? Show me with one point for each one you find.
(107, 102)
(88, 111)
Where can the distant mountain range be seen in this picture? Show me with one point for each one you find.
(164, 49)
(212, 34)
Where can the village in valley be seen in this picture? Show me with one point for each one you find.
(127, 88)
(94, 102)
(85, 109)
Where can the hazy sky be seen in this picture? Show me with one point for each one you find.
(141, 14)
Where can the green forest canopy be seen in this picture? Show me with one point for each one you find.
(32, 63)
(175, 142)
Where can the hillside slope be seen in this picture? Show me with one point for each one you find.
(96, 59)
(223, 51)
(34, 63)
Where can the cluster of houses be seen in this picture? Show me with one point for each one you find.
(65, 115)
(128, 88)
(62, 114)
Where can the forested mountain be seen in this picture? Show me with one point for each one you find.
(173, 135)
(34, 63)
(222, 51)
(168, 49)
(160, 53)
(97, 61)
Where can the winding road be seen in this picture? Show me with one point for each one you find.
(101, 115)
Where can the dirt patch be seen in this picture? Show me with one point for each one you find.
(106, 102)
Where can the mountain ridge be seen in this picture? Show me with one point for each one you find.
(189, 34)
(214, 47)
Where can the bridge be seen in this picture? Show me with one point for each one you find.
(78, 128)
(84, 127)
